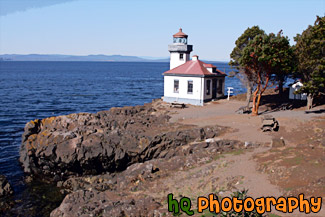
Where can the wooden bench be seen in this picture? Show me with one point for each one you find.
(269, 123)
(177, 105)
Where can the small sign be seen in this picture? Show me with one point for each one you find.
(230, 91)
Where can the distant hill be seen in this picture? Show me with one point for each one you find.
(58, 57)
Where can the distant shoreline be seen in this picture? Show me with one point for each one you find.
(98, 61)
(88, 58)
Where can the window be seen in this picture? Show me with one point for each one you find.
(181, 56)
(208, 87)
(176, 86)
(190, 87)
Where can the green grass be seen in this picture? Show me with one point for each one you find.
(205, 213)
(288, 189)
(218, 156)
(294, 161)
(236, 152)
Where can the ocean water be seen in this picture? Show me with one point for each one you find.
(34, 90)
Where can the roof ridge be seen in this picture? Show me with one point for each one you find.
(192, 67)
(202, 66)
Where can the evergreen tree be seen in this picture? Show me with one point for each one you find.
(287, 61)
(264, 56)
(310, 52)
(243, 72)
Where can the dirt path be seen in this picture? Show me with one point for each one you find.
(229, 172)
(223, 113)
(240, 170)
(245, 127)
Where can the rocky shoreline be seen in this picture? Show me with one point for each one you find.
(103, 162)
(5, 187)
(108, 141)
(6, 192)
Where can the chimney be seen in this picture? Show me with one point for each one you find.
(195, 57)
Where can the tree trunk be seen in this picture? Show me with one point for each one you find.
(248, 94)
(310, 98)
(257, 104)
(254, 109)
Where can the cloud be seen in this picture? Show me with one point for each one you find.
(13, 6)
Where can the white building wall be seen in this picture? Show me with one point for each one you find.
(209, 69)
(199, 94)
(175, 60)
(195, 98)
(299, 96)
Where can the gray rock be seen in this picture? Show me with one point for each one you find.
(277, 142)
(251, 144)
(5, 187)
(108, 141)
(94, 203)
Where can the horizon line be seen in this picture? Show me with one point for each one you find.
(141, 57)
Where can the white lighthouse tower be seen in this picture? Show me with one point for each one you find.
(179, 50)
(190, 81)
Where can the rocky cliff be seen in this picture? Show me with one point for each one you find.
(100, 159)
(108, 141)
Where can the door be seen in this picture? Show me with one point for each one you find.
(214, 89)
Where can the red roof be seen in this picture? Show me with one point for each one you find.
(209, 66)
(180, 34)
(193, 67)
(221, 72)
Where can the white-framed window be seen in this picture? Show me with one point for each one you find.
(208, 87)
(190, 87)
(181, 56)
(176, 86)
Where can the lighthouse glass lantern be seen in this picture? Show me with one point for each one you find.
(180, 40)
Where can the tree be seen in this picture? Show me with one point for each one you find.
(287, 61)
(264, 56)
(245, 76)
(310, 52)
(287, 66)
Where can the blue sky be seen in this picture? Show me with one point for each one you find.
(145, 27)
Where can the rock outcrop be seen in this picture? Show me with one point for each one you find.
(95, 203)
(6, 202)
(108, 141)
(134, 191)
(106, 161)
(5, 187)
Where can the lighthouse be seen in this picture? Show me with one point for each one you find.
(179, 50)
(190, 81)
